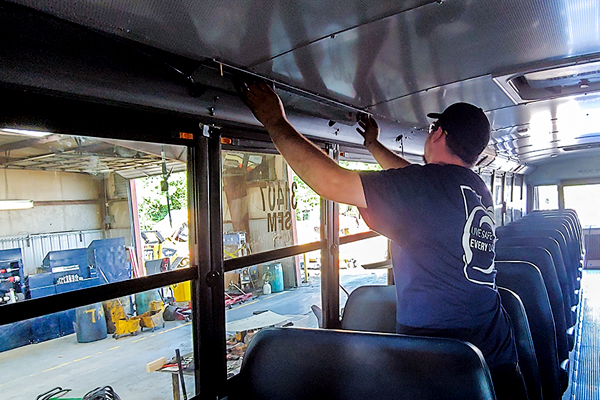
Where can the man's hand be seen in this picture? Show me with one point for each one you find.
(264, 103)
(368, 129)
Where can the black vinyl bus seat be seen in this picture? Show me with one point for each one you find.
(565, 225)
(525, 349)
(371, 308)
(514, 230)
(307, 364)
(542, 259)
(552, 246)
(570, 216)
(525, 279)
(575, 235)
(553, 222)
(543, 228)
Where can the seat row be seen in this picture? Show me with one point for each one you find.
(538, 263)
(540, 258)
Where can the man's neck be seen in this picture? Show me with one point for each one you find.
(449, 159)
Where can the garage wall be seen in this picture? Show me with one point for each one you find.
(63, 202)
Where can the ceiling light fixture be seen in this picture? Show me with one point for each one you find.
(547, 81)
(27, 132)
(6, 205)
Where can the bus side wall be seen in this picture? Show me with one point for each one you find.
(558, 172)
(552, 173)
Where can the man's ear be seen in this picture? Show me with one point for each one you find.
(438, 134)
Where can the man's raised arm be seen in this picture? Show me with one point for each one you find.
(312, 165)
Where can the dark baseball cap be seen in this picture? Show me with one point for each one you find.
(467, 127)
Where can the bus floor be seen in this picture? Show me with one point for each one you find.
(585, 357)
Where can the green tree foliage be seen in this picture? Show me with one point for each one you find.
(152, 201)
(308, 200)
(360, 166)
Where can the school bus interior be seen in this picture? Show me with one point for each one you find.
(122, 90)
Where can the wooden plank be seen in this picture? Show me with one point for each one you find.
(156, 364)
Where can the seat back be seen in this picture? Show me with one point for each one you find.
(543, 261)
(303, 364)
(513, 230)
(552, 246)
(526, 281)
(525, 349)
(371, 309)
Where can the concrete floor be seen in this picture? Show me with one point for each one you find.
(121, 363)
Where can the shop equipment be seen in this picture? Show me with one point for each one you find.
(124, 324)
(110, 257)
(153, 318)
(11, 275)
(230, 299)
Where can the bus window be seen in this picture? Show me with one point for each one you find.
(498, 194)
(518, 199)
(96, 345)
(363, 262)
(584, 200)
(508, 198)
(546, 197)
(88, 211)
(486, 176)
(263, 295)
(265, 206)
(350, 220)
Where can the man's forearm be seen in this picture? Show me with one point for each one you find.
(315, 168)
(386, 157)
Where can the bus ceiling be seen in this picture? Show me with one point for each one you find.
(533, 66)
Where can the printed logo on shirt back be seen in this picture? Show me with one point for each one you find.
(478, 239)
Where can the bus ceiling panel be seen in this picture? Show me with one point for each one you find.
(361, 53)
(240, 32)
(528, 150)
(553, 124)
(75, 62)
(541, 113)
(412, 109)
(435, 45)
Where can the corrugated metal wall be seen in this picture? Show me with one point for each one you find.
(35, 247)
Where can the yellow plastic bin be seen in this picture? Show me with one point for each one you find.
(182, 292)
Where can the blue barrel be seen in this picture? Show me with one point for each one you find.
(90, 323)
(275, 277)
(143, 299)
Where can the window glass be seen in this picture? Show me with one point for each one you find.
(487, 179)
(77, 212)
(265, 206)
(498, 199)
(498, 192)
(351, 221)
(546, 197)
(584, 200)
(518, 188)
(508, 188)
(266, 295)
(508, 198)
(128, 344)
(364, 262)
